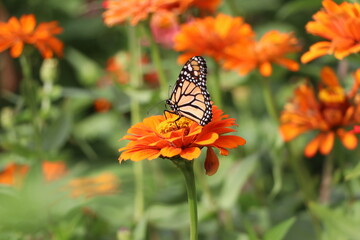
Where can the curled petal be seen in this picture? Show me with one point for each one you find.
(313, 146)
(211, 163)
(190, 153)
(327, 142)
(348, 139)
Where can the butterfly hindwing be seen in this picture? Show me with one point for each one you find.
(190, 97)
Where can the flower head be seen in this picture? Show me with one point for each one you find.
(175, 137)
(271, 48)
(164, 26)
(118, 12)
(329, 111)
(339, 24)
(17, 32)
(211, 36)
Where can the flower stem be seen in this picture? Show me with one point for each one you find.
(187, 169)
(216, 94)
(135, 82)
(269, 100)
(325, 187)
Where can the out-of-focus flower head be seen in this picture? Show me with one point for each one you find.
(171, 137)
(330, 112)
(164, 25)
(271, 48)
(211, 36)
(339, 24)
(15, 33)
(116, 67)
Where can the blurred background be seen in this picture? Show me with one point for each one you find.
(59, 172)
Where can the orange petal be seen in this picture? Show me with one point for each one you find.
(207, 138)
(170, 151)
(211, 163)
(313, 146)
(17, 49)
(327, 142)
(348, 139)
(290, 131)
(265, 69)
(329, 77)
(190, 153)
(229, 141)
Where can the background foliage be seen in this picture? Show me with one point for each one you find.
(254, 195)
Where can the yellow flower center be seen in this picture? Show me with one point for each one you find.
(173, 124)
(332, 95)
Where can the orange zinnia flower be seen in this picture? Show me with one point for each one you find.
(271, 48)
(330, 112)
(212, 36)
(118, 12)
(164, 25)
(340, 25)
(170, 138)
(17, 32)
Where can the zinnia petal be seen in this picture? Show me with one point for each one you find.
(190, 153)
(211, 163)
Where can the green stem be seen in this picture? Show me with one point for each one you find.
(187, 169)
(269, 100)
(216, 93)
(156, 59)
(135, 82)
(29, 92)
(325, 187)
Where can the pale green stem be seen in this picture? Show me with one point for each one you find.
(269, 100)
(216, 93)
(135, 82)
(187, 169)
(325, 186)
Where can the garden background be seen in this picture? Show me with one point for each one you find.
(66, 103)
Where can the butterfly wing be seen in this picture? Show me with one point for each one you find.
(190, 97)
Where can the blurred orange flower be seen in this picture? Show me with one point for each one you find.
(118, 12)
(212, 36)
(207, 5)
(340, 25)
(271, 48)
(15, 33)
(330, 112)
(14, 174)
(103, 184)
(116, 68)
(102, 105)
(164, 26)
(171, 137)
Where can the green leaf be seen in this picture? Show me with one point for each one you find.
(354, 173)
(236, 180)
(278, 232)
(338, 224)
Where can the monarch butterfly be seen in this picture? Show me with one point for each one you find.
(190, 97)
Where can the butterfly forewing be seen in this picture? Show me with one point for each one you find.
(190, 97)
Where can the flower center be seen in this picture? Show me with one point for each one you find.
(173, 124)
(332, 95)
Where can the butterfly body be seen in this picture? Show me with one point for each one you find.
(190, 97)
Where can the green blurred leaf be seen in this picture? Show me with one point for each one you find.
(338, 225)
(87, 70)
(55, 136)
(236, 180)
(292, 7)
(279, 231)
(354, 173)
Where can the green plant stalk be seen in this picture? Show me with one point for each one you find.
(187, 169)
(156, 59)
(29, 92)
(325, 186)
(269, 100)
(135, 82)
(216, 93)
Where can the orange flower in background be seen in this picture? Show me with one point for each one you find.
(13, 174)
(339, 24)
(271, 48)
(15, 33)
(171, 137)
(330, 112)
(207, 5)
(164, 26)
(115, 66)
(212, 36)
(53, 170)
(103, 184)
(102, 105)
(118, 12)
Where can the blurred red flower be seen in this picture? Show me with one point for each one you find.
(15, 33)
(329, 111)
